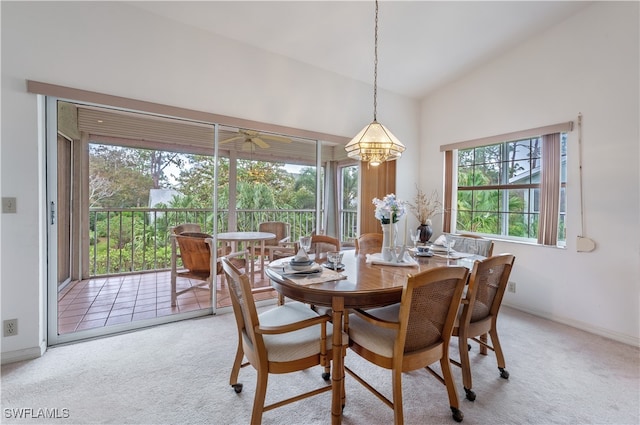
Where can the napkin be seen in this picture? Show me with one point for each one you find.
(377, 259)
(301, 256)
(442, 240)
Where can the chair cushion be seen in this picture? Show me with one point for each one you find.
(293, 345)
(375, 338)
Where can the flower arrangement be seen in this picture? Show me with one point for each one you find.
(424, 207)
(389, 209)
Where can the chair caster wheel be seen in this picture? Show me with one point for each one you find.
(471, 396)
(237, 388)
(326, 376)
(503, 373)
(457, 414)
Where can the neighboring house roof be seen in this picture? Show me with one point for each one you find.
(161, 196)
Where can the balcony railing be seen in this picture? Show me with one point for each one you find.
(134, 240)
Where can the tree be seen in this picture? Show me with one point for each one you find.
(116, 170)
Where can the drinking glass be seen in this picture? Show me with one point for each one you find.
(334, 257)
(450, 242)
(305, 243)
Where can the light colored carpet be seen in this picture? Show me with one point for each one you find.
(178, 374)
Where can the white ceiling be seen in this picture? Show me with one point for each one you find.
(422, 44)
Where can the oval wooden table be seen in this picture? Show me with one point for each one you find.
(250, 239)
(367, 285)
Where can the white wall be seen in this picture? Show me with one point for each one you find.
(588, 64)
(111, 48)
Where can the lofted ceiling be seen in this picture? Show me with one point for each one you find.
(422, 44)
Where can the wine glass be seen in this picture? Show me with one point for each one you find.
(305, 243)
(450, 243)
(415, 237)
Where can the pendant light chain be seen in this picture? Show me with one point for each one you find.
(375, 68)
(375, 144)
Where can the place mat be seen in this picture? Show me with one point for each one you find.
(284, 268)
(454, 255)
(377, 259)
(326, 275)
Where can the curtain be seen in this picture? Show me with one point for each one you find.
(331, 223)
(549, 190)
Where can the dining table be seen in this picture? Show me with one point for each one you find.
(365, 281)
(249, 239)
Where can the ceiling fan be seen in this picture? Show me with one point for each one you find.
(256, 138)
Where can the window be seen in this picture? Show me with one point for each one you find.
(514, 187)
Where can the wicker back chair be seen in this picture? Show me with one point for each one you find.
(412, 334)
(473, 244)
(479, 314)
(267, 342)
(369, 243)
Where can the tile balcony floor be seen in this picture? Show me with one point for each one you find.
(105, 301)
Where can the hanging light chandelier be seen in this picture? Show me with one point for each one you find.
(375, 143)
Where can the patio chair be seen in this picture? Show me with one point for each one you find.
(285, 339)
(412, 334)
(281, 246)
(194, 249)
(369, 243)
(479, 314)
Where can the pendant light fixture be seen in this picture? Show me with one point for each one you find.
(375, 143)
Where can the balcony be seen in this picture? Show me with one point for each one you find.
(129, 258)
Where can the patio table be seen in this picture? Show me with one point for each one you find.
(250, 239)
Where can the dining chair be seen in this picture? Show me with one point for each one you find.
(193, 249)
(479, 314)
(473, 244)
(285, 339)
(412, 334)
(369, 243)
(321, 244)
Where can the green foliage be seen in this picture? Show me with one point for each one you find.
(138, 241)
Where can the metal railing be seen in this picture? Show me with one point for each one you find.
(134, 240)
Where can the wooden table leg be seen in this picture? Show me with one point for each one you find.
(337, 368)
(262, 259)
(252, 249)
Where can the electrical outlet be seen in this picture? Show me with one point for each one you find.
(9, 205)
(10, 327)
(511, 287)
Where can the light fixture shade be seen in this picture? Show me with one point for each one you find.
(374, 144)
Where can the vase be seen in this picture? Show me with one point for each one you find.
(425, 232)
(389, 235)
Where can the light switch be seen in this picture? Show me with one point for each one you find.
(9, 206)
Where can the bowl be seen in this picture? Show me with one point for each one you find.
(300, 265)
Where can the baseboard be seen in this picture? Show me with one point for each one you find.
(24, 354)
(606, 333)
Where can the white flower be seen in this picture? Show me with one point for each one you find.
(389, 209)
